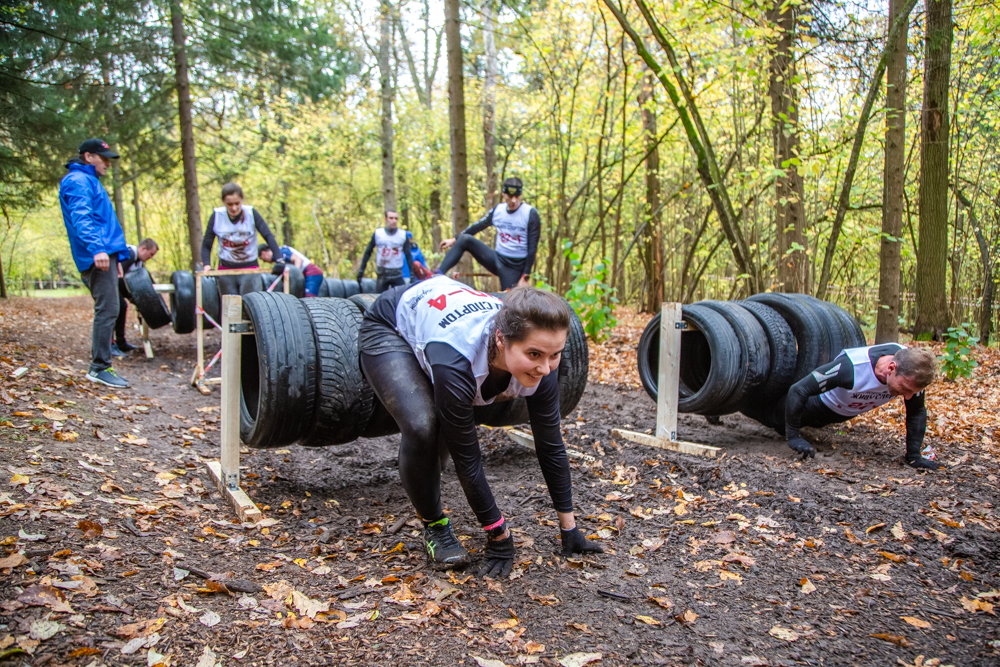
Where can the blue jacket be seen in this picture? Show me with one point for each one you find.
(415, 254)
(89, 216)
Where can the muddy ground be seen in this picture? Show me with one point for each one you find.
(750, 559)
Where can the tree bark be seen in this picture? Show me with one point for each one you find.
(986, 307)
(894, 182)
(789, 211)
(490, 105)
(653, 255)
(388, 92)
(134, 177)
(456, 118)
(187, 135)
(435, 206)
(111, 126)
(286, 216)
(932, 253)
(3, 282)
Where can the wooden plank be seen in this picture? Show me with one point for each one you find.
(681, 446)
(232, 312)
(527, 440)
(229, 272)
(669, 371)
(285, 278)
(237, 500)
(146, 345)
(163, 287)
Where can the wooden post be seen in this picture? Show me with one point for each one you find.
(285, 279)
(226, 472)
(146, 345)
(672, 325)
(200, 364)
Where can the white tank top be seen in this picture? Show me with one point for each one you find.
(237, 240)
(389, 248)
(512, 230)
(293, 253)
(442, 310)
(137, 264)
(867, 394)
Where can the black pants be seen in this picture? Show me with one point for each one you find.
(242, 285)
(386, 278)
(508, 269)
(408, 395)
(103, 286)
(815, 414)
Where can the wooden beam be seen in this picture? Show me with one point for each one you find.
(527, 440)
(669, 371)
(237, 500)
(232, 311)
(681, 446)
(146, 345)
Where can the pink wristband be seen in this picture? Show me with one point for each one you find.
(494, 525)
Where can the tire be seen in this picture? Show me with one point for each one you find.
(351, 288)
(363, 301)
(278, 372)
(211, 301)
(837, 334)
(182, 302)
(368, 286)
(755, 354)
(147, 300)
(344, 400)
(811, 343)
(296, 282)
(781, 345)
(335, 288)
(853, 335)
(710, 358)
(324, 291)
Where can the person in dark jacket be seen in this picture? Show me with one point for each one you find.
(138, 255)
(418, 258)
(236, 225)
(97, 242)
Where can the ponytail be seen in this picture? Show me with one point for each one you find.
(526, 309)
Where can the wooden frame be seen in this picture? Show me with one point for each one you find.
(198, 377)
(668, 391)
(226, 471)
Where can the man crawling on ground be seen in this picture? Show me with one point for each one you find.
(860, 379)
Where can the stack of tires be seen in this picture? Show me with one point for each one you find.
(742, 356)
(343, 289)
(301, 380)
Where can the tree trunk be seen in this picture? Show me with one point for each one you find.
(111, 125)
(789, 210)
(286, 216)
(489, 106)
(385, 78)
(653, 242)
(3, 282)
(887, 317)
(134, 177)
(932, 253)
(986, 308)
(456, 118)
(187, 135)
(435, 206)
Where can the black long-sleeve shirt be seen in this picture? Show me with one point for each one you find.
(803, 407)
(371, 247)
(209, 240)
(534, 233)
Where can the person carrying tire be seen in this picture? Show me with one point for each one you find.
(97, 242)
(392, 247)
(418, 258)
(518, 230)
(236, 225)
(433, 350)
(289, 255)
(138, 255)
(860, 379)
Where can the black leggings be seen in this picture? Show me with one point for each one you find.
(122, 317)
(508, 269)
(408, 395)
(815, 414)
(386, 279)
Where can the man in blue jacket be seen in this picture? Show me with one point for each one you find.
(98, 244)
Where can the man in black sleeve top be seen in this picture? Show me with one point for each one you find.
(860, 379)
(393, 248)
(518, 229)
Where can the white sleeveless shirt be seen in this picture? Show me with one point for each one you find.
(442, 310)
(237, 240)
(389, 248)
(867, 394)
(137, 264)
(512, 230)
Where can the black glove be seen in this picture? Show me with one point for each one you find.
(574, 542)
(278, 269)
(360, 276)
(800, 446)
(499, 558)
(920, 463)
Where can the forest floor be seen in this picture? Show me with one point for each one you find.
(107, 516)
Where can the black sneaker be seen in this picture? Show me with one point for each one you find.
(125, 346)
(108, 377)
(116, 351)
(443, 548)
(920, 463)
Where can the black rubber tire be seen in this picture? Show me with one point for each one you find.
(344, 400)
(324, 291)
(278, 372)
(781, 345)
(296, 282)
(755, 354)
(363, 301)
(147, 300)
(335, 288)
(211, 301)
(811, 341)
(268, 279)
(182, 302)
(710, 358)
(837, 334)
(351, 288)
(853, 335)
(368, 286)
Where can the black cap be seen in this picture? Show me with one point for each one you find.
(98, 147)
(513, 186)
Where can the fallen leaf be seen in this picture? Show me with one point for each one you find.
(746, 561)
(872, 529)
(45, 596)
(648, 620)
(534, 647)
(307, 606)
(12, 561)
(807, 586)
(976, 605)
(897, 531)
(786, 634)
(579, 659)
(91, 529)
(209, 618)
(153, 659)
(141, 628)
(896, 558)
(898, 640)
(725, 575)
(207, 658)
(19, 479)
(83, 651)
(723, 537)
(30, 537)
(663, 602)
(688, 617)
(66, 436)
(543, 599)
(42, 630)
(506, 624)
(916, 622)
(267, 567)
(486, 662)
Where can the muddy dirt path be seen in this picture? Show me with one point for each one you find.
(751, 559)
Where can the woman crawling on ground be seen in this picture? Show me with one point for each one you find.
(435, 349)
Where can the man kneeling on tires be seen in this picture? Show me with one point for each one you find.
(858, 380)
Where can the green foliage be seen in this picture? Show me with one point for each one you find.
(590, 295)
(957, 360)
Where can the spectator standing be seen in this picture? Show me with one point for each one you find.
(137, 257)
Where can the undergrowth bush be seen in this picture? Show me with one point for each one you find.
(957, 360)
